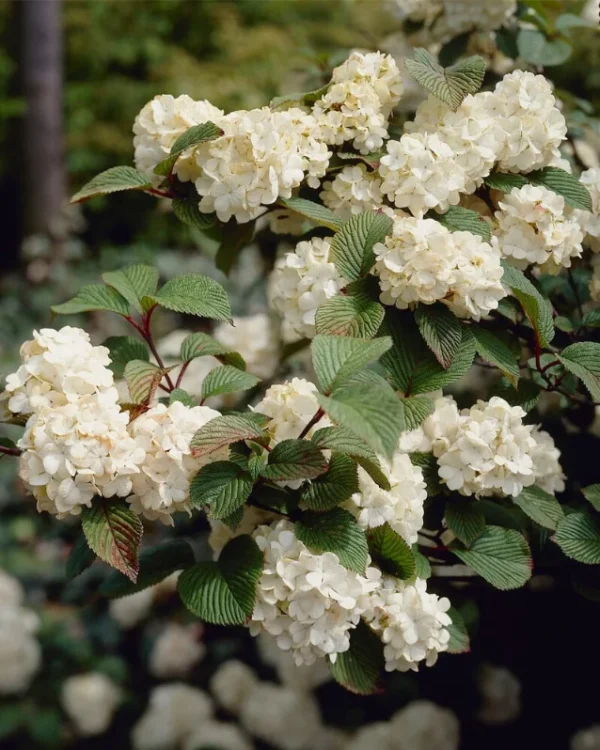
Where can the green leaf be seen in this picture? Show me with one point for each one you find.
(371, 413)
(123, 349)
(194, 294)
(391, 553)
(227, 379)
(224, 430)
(335, 486)
(500, 556)
(206, 131)
(47, 728)
(314, 211)
(441, 331)
(134, 283)
(13, 716)
(416, 411)
(499, 349)
(574, 192)
(235, 238)
(583, 360)
(452, 84)
(335, 531)
(422, 566)
(568, 21)
(356, 316)
(93, 297)
(459, 219)
(540, 506)
(337, 358)
(591, 319)
(188, 212)
(223, 486)
(295, 459)
(535, 306)
(526, 394)
(178, 394)
(112, 180)
(578, 535)
(427, 462)
(80, 558)
(352, 247)
(465, 520)
(203, 345)
(359, 668)
(505, 182)
(592, 495)
(459, 642)
(295, 99)
(535, 48)
(114, 533)
(156, 564)
(142, 379)
(224, 592)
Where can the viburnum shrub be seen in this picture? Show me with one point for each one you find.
(418, 254)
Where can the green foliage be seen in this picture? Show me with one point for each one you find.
(224, 430)
(575, 194)
(317, 213)
(535, 306)
(188, 213)
(416, 411)
(391, 553)
(142, 380)
(333, 487)
(592, 495)
(194, 294)
(337, 358)
(235, 238)
(355, 315)
(352, 247)
(80, 558)
(114, 533)
(207, 131)
(335, 531)
(465, 519)
(578, 536)
(459, 219)
(113, 180)
(359, 668)
(459, 642)
(123, 349)
(540, 506)
(499, 349)
(227, 379)
(93, 297)
(452, 84)
(134, 283)
(441, 331)
(295, 459)
(203, 345)
(222, 486)
(583, 360)
(535, 48)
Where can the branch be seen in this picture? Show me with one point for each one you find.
(10, 451)
(313, 421)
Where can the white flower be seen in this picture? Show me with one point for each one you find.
(20, 652)
(354, 189)
(291, 406)
(164, 432)
(255, 338)
(401, 506)
(308, 602)
(466, 15)
(435, 432)
(303, 678)
(500, 695)
(424, 726)
(90, 701)
(129, 611)
(586, 739)
(535, 226)
(546, 462)
(411, 623)
(377, 735)
(11, 591)
(221, 533)
(286, 221)
(421, 261)
(591, 221)
(217, 735)
(175, 652)
(416, 10)
(158, 125)
(300, 282)
(363, 91)
(232, 683)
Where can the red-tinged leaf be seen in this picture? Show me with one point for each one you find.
(114, 533)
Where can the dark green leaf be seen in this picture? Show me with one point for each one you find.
(222, 486)
(465, 520)
(592, 495)
(350, 316)
(352, 247)
(459, 219)
(535, 306)
(227, 379)
(416, 411)
(123, 349)
(429, 465)
(80, 558)
(188, 212)
(314, 211)
(359, 668)
(441, 331)
(178, 394)
(459, 642)
(578, 535)
(93, 297)
(540, 506)
(336, 485)
(391, 553)
(224, 430)
(235, 238)
(295, 459)
(206, 131)
(335, 531)
(505, 182)
(499, 349)
(583, 360)
(337, 358)
(574, 192)
(194, 294)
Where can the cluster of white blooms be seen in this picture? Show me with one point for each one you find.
(90, 700)
(300, 282)
(291, 406)
(401, 506)
(586, 739)
(412, 623)
(422, 261)
(255, 337)
(535, 227)
(353, 190)
(591, 220)
(305, 678)
(546, 462)
(363, 91)
(176, 651)
(308, 602)
(20, 653)
(129, 611)
(500, 695)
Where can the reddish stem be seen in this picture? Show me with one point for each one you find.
(10, 451)
(314, 419)
(184, 367)
(159, 193)
(146, 334)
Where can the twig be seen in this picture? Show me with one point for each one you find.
(315, 418)
(10, 451)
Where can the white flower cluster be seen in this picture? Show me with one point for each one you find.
(535, 227)
(20, 652)
(291, 405)
(353, 190)
(176, 651)
(255, 337)
(500, 695)
(586, 739)
(449, 18)
(90, 700)
(422, 261)
(300, 282)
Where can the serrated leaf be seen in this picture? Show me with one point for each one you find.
(114, 533)
(222, 486)
(540, 506)
(500, 556)
(574, 192)
(422, 566)
(206, 131)
(142, 380)
(134, 283)
(314, 211)
(499, 349)
(337, 358)
(188, 212)
(178, 394)
(224, 430)
(452, 84)
(578, 535)
(592, 495)
(80, 557)
(390, 552)
(349, 316)
(296, 99)
(335, 531)
(416, 411)
(295, 459)
(359, 668)
(235, 519)
(591, 319)
(156, 564)
(441, 331)
(335, 486)
(112, 180)
(371, 413)
(93, 297)
(352, 247)
(583, 360)
(535, 306)
(465, 520)
(203, 345)
(428, 464)
(224, 592)
(459, 642)
(123, 349)
(194, 294)
(459, 219)
(235, 238)
(505, 182)
(227, 379)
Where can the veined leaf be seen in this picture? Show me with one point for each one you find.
(352, 247)
(206, 131)
(142, 380)
(222, 486)
(203, 345)
(583, 360)
(535, 306)
(498, 349)
(188, 212)
(134, 283)
(540, 506)
(465, 520)
(572, 190)
(459, 219)
(335, 486)
(578, 535)
(359, 668)
(314, 211)
(295, 459)
(112, 180)
(592, 495)
(194, 294)
(337, 358)
(227, 379)
(505, 182)
(178, 394)
(114, 533)
(93, 297)
(459, 642)
(122, 349)
(335, 531)
(390, 552)
(356, 316)
(416, 411)
(235, 238)
(452, 84)
(441, 331)
(224, 430)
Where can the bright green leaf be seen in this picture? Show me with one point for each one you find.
(206, 131)
(112, 180)
(452, 84)
(194, 294)
(203, 345)
(416, 411)
(227, 379)
(93, 297)
(134, 283)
